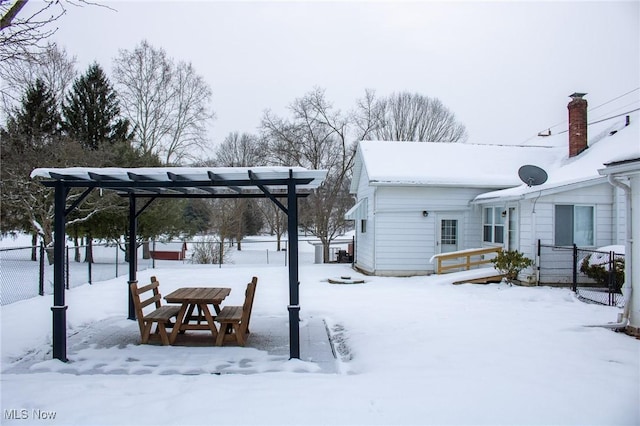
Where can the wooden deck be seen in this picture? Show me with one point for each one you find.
(468, 259)
(482, 280)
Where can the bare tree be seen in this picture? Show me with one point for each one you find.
(318, 137)
(223, 221)
(23, 29)
(53, 66)
(143, 78)
(191, 114)
(414, 117)
(168, 103)
(239, 150)
(367, 114)
(275, 218)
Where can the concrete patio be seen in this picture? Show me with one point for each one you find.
(112, 346)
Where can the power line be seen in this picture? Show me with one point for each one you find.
(619, 108)
(611, 100)
(596, 107)
(604, 119)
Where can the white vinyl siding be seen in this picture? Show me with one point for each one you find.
(539, 213)
(536, 216)
(364, 247)
(405, 240)
(402, 241)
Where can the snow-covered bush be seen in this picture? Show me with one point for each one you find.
(208, 251)
(598, 266)
(510, 263)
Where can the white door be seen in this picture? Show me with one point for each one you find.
(448, 233)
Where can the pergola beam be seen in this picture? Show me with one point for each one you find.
(168, 184)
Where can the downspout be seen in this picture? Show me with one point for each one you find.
(623, 319)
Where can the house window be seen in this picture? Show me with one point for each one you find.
(449, 232)
(363, 226)
(574, 225)
(493, 228)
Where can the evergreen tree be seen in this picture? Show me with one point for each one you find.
(36, 121)
(31, 134)
(91, 111)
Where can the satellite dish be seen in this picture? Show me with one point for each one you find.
(532, 175)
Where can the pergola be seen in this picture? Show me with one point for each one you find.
(149, 184)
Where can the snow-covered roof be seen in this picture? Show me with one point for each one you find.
(496, 166)
(448, 164)
(180, 180)
(608, 142)
(623, 166)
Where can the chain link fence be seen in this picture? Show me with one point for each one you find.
(594, 275)
(25, 272)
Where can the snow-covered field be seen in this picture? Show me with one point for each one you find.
(420, 351)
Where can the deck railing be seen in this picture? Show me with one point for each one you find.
(467, 261)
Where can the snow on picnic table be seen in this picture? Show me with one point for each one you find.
(422, 352)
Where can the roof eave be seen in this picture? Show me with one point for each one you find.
(556, 189)
(631, 166)
(438, 184)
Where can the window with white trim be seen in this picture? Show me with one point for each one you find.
(493, 225)
(574, 224)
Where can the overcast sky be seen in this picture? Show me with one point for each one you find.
(504, 68)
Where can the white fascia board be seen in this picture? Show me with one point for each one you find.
(544, 191)
(623, 168)
(436, 184)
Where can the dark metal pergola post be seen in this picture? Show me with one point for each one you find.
(133, 253)
(294, 283)
(59, 309)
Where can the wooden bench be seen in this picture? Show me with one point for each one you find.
(234, 320)
(161, 316)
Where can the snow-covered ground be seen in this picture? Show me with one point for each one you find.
(422, 351)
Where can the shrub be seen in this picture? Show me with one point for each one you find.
(599, 271)
(208, 252)
(510, 263)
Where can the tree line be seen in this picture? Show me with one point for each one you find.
(154, 111)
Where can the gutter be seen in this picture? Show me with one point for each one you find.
(623, 319)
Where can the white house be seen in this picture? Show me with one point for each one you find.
(415, 200)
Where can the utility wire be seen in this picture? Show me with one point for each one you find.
(611, 100)
(604, 119)
(618, 108)
(596, 107)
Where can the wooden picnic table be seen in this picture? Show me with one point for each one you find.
(190, 298)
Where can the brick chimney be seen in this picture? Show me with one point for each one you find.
(577, 124)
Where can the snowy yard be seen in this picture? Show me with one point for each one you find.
(420, 351)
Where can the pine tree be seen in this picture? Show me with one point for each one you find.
(36, 121)
(32, 138)
(91, 111)
(31, 129)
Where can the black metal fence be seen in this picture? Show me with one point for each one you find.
(595, 276)
(26, 272)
